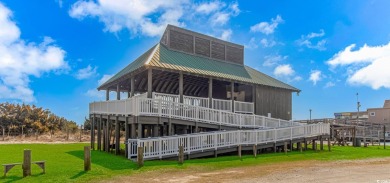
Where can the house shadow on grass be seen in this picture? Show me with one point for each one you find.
(106, 160)
(9, 179)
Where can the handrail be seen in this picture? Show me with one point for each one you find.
(138, 106)
(198, 142)
(220, 104)
(244, 107)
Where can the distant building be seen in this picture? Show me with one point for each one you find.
(351, 115)
(380, 115)
(372, 115)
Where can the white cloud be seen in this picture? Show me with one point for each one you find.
(209, 7)
(284, 70)
(369, 65)
(315, 76)
(267, 27)
(150, 17)
(267, 43)
(272, 60)
(252, 44)
(223, 15)
(133, 15)
(99, 95)
(105, 78)
(19, 60)
(329, 84)
(86, 73)
(226, 34)
(297, 78)
(307, 40)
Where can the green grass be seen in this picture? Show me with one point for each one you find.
(64, 162)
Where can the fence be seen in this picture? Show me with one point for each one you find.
(168, 146)
(140, 106)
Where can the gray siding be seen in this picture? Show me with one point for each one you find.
(202, 47)
(276, 101)
(217, 50)
(235, 55)
(181, 41)
(198, 44)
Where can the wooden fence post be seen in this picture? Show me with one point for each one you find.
(239, 152)
(321, 143)
(181, 155)
(26, 163)
(329, 145)
(285, 147)
(87, 158)
(140, 157)
(255, 151)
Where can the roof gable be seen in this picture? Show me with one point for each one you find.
(160, 56)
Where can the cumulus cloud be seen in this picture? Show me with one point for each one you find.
(252, 44)
(315, 76)
(267, 27)
(99, 95)
(272, 60)
(310, 39)
(150, 17)
(105, 78)
(267, 43)
(133, 15)
(329, 84)
(86, 73)
(226, 34)
(209, 7)
(20, 60)
(224, 14)
(284, 70)
(368, 65)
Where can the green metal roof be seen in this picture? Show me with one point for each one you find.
(160, 56)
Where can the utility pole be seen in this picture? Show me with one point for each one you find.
(310, 115)
(358, 113)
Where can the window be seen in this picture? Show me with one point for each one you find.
(372, 113)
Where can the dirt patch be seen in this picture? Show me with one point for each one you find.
(368, 170)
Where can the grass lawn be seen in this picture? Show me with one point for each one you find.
(64, 162)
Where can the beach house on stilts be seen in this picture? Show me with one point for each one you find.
(195, 91)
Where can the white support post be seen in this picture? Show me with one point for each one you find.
(159, 148)
(159, 107)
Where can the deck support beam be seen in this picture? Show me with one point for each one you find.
(118, 92)
(181, 87)
(132, 89)
(139, 130)
(133, 131)
(254, 98)
(107, 94)
(127, 131)
(155, 130)
(150, 82)
(117, 136)
(99, 134)
(210, 93)
(104, 134)
(232, 94)
(93, 121)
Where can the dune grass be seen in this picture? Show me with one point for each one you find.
(64, 162)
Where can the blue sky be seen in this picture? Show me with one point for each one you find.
(54, 53)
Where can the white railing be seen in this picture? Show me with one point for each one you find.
(196, 101)
(166, 97)
(168, 146)
(244, 107)
(225, 105)
(157, 107)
